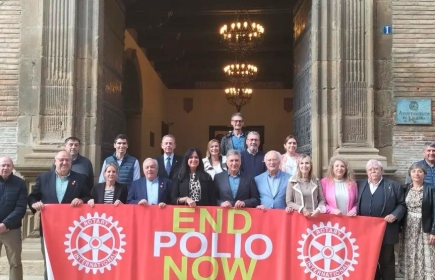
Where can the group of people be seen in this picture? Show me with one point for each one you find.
(236, 174)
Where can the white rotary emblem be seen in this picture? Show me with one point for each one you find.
(95, 243)
(328, 252)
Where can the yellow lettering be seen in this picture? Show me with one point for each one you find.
(198, 261)
(169, 265)
(216, 225)
(247, 224)
(178, 219)
(238, 264)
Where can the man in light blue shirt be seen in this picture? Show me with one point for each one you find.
(272, 184)
(151, 189)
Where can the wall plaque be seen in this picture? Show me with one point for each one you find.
(413, 111)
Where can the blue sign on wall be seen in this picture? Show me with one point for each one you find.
(387, 30)
(413, 111)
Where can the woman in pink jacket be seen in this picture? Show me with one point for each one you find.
(339, 188)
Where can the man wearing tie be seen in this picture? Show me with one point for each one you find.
(272, 184)
(151, 189)
(168, 160)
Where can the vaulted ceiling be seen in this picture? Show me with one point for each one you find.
(181, 38)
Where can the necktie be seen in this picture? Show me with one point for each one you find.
(168, 165)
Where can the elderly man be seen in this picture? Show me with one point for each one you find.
(381, 197)
(151, 189)
(234, 188)
(13, 198)
(272, 184)
(252, 158)
(169, 162)
(234, 139)
(428, 162)
(128, 166)
(79, 163)
(59, 186)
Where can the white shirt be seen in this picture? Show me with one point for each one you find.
(373, 187)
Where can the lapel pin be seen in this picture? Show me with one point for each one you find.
(161, 185)
(73, 183)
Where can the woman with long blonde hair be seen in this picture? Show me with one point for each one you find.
(214, 162)
(339, 188)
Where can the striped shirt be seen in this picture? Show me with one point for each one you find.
(108, 196)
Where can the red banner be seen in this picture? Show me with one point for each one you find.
(136, 242)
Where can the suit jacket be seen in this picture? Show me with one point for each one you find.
(180, 188)
(267, 199)
(247, 191)
(45, 190)
(138, 191)
(394, 203)
(120, 193)
(176, 164)
(328, 187)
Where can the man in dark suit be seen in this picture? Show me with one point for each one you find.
(59, 186)
(151, 189)
(234, 188)
(169, 162)
(381, 197)
(252, 158)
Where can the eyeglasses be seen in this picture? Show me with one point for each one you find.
(237, 121)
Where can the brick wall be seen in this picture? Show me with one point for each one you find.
(10, 18)
(413, 71)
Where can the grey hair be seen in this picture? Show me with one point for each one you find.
(155, 161)
(278, 155)
(233, 152)
(253, 133)
(417, 165)
(429, 144)
(376, 162)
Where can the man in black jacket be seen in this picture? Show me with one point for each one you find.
(13, 194)
(381, 197)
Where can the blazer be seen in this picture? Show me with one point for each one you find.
(328, 187)
(120, 193)
(180, 188)
(427, 208)
(295, 199)
(210, 169)
(394, 203)
(138, 191)
(267, 199)
(176, 164)
(247, 191)
(44, 190)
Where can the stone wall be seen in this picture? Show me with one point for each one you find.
(302, 89)
(413, 73)
(10, 39)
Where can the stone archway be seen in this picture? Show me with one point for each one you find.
(132, 101)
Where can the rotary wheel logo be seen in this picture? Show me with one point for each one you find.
(328, 252)
(95, 243)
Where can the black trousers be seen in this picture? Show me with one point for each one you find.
(386, 263)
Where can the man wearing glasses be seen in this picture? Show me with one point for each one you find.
(252, 158)
(234, 139)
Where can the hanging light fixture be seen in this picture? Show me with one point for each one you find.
(238, 96)
(242, 36)
(240, 72)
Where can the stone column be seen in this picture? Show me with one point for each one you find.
(60, 83)
(343, 82)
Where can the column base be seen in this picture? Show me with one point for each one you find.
(358, 157)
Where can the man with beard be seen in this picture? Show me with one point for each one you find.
(169, 162)
(428, 162)
(253, 159)
(79, 163)
(385, 198)
(59, 186)
(128, 166)
(234, 139)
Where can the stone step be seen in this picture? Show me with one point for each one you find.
(32, 259)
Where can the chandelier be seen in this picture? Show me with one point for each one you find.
(242, 37)
(240, 72)
(238, 96)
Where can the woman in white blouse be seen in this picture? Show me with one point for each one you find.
(290, 157)
(214, 162)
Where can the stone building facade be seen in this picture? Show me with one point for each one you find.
(62, 65)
